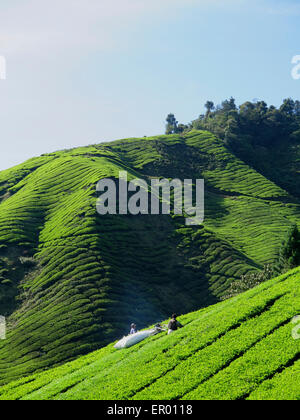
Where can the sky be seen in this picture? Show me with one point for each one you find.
(81, 72)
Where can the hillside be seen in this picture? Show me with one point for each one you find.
(71, 281)
(238, 349)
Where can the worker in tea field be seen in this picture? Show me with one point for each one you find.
(173, 324)
(133, 329)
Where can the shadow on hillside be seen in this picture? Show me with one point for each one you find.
(153, 271)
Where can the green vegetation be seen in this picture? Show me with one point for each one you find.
(172, 127)
(249, 280)
(264, 137)
(289, 254)
(72, 281)
(238, 349)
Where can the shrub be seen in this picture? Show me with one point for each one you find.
(249, 281)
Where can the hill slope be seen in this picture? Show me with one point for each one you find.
(71, 281)
(239, 349)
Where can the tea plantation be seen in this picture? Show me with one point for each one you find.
(242, 348)
(71, 281)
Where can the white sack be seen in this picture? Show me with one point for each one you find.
(133, 339)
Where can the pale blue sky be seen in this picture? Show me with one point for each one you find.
(86, 71)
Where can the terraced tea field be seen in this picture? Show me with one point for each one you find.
(72, 281)
(238, 349)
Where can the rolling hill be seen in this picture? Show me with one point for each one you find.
(242, 348)
(71, 281)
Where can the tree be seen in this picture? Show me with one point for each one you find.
(289, 254)
(262, 107)
(231, 131)
(210, 106)
(297, 109)
(181, 128)
(288, 107)
(172, 124)
(228, 105)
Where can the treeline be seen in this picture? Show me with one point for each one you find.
(244, 127)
